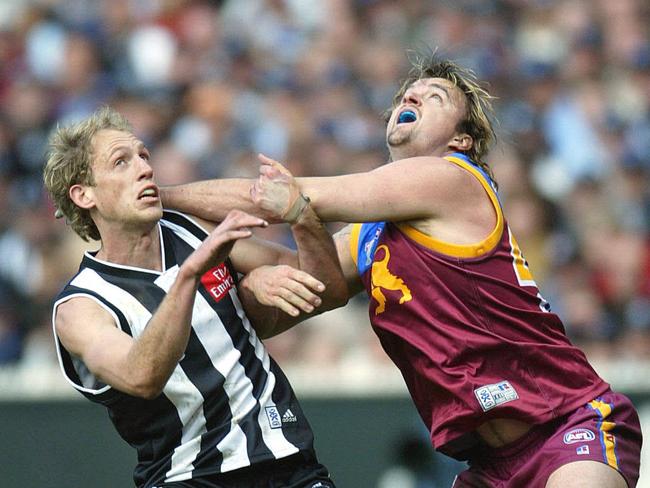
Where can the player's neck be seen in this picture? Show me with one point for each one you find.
(412, 151)
(140, 249)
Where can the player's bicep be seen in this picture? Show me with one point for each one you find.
(342, 241)
(409, 189)
(89, 332)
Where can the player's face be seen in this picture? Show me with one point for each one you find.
(425, 120)
(124, 191)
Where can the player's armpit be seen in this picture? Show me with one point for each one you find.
(342, 243)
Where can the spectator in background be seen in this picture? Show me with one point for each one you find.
(285, 77)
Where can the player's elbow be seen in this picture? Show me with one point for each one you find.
(147, 385)
(336, 295)
(148, 392)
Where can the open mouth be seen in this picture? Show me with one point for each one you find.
(148, 194)
(406, 117)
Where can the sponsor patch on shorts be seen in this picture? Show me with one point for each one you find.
(490, 396)
(579, 435)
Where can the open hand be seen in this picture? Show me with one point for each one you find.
(216, 247)
(284, 287)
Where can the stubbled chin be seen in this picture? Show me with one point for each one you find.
(398, 138)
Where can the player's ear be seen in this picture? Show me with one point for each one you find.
(82, 196)
(461, 142)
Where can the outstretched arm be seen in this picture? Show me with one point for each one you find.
(210, 199)
(279, 294)
(414, 188)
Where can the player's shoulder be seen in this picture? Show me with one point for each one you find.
(448, 164)
(443, 171)
(77, 307)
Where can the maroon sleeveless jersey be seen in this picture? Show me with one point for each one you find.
(468, 328)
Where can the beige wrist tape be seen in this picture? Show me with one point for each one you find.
(296, 209)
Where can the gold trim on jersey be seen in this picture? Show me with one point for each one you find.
(462, 250)
(354, 242)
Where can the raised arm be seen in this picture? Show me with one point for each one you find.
(141, 366)
(409, 189)
(210, 199)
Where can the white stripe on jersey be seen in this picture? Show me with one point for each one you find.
(183, 233)
(136, 314)
(273, 438)
(179, 389)
(225, 359)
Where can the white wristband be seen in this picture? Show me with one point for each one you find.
(296, 209)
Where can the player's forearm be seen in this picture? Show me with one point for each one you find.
(213, 199)
(156, 352)
(317, 256)
(210, 199)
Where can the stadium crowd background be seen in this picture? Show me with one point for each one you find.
(207, 85)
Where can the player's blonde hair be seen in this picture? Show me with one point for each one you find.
(479, 115)
(69, 162)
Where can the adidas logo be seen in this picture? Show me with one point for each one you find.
(289, 417)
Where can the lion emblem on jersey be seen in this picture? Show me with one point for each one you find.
(383, 279)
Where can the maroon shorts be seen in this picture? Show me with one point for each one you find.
(606, 430)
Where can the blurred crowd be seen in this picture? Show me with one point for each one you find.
(209, 84)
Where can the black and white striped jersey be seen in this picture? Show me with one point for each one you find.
(226, 405)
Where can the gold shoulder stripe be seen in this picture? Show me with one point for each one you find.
(462, 250)
(354, 242)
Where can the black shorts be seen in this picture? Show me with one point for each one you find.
(300, 470)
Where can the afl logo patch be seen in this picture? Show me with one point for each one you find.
(579, 435)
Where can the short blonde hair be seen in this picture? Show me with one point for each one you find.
(479, 115)
(69, 162)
